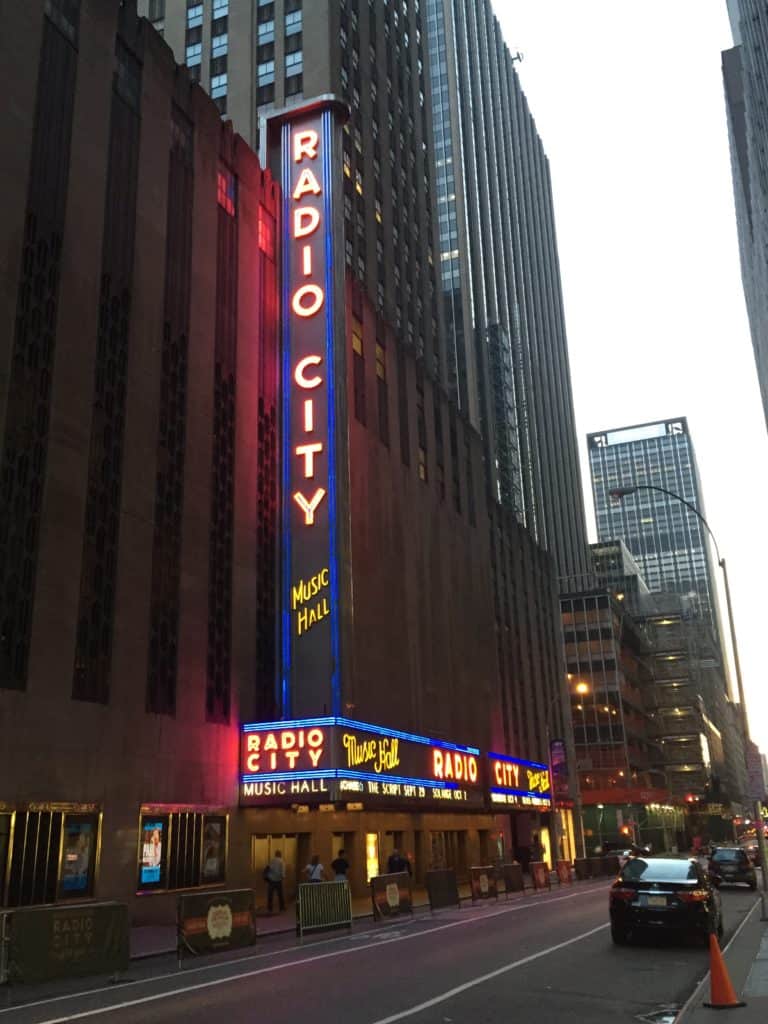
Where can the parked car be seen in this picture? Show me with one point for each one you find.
(664, 894)
(731, 865)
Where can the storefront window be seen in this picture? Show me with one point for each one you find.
(181, 850)
(214, 849)
(371, 855)
(78, 855)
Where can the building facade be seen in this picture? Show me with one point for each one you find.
(501, 290)
(149, 353)
(745, 73)
(667, 540)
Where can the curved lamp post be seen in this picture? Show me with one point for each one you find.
(622, 492)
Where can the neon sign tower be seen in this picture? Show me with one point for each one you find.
(314, 470)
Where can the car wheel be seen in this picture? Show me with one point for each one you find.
(620, 936)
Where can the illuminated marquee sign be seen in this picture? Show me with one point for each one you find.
(514, 782)
(338, 759)
(310, 583)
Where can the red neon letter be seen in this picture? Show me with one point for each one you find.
(308, 507)
(317, 297)
(305, 220)
(309, 419)
(306, 260)
(309, 451)
(307, 183)
(305, 144)
(298, 373)
(437, 764)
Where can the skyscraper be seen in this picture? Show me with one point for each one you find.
(668, 540)
(745, 78)
(501, 291)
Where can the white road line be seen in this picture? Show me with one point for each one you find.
(230, 978)
(487, 977)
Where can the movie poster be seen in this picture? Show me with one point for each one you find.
(154, 840)
(214, 849)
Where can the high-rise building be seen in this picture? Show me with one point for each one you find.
(256, 56)
(501, 290)
(745, 79)
(668, 540)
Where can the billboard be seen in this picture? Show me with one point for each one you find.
(514, 782)
(336, 759)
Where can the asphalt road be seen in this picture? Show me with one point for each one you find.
(539, 958)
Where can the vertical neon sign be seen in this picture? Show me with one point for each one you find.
(310, 583)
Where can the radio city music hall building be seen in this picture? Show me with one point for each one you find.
(246, 589)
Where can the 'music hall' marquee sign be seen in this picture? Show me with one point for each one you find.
(324, 760)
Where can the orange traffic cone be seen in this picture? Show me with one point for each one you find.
(721, 993)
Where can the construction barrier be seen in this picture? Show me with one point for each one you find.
(213, 922)
(540, 874)
(323, 905)
(581, 867)
(391, 895)
(51, 942)
(483, 883)
(563, 869)
(513, 877)
(442, 889)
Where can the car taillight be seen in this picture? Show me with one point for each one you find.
(623, 894)
(694, 896)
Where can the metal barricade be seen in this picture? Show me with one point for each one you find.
(563, 869)
(483, 883)
(323, 905)
(4, 940)
(513, 878)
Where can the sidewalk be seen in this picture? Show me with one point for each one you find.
(746, 957)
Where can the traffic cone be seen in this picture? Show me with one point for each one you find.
(721, 991)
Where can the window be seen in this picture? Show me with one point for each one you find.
(358, 370)
(382, 393)
(266, 232)
(219, 45)
(194, 54)
(265, 94)
(194, 15)
(294, 84)
(266, 32)
(227, 192)
(293, 23)
(294, 63)
(266, 72)
(218, 85)
(181, 850)
(220, 8)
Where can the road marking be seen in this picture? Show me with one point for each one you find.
(298, 963)
(487, 977)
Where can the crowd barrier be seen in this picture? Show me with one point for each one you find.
(322, 906)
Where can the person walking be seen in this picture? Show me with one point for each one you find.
(315, 871)
(274, 876)
(340, 867)
(397, 863)
(537, 850)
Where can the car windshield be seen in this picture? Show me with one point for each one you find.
(728, 855)
(659, 871)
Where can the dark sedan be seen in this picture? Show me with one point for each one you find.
(731, 864)
(664, 894)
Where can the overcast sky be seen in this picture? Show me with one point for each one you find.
(628, 100)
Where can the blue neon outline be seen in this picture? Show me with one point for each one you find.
(521, 792)
(330, 305)
(380, 730)
(518, 760)
(285, 689)
(343, 773)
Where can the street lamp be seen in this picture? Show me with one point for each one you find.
(622, 492)
(580, 688)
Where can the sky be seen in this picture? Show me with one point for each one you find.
(628, 100)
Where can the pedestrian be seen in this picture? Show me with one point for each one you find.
(340, 867)
(314, 870)
(397, 863)
(537, 850)
(274, 875)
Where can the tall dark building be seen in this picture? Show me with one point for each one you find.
(668, 540)
(501, 290)
(745, 77)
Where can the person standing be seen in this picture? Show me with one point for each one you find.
(397, 863)
(314, 870)
(340, 867)
(274, 876)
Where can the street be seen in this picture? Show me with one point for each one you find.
(540, 957)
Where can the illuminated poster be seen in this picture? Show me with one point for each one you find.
(78, 856)
(214, 849)
(310, 583)
(154, 837)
